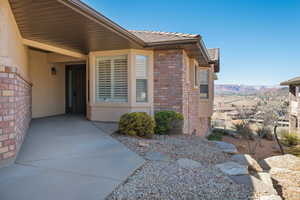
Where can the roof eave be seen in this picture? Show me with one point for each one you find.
(91, 13)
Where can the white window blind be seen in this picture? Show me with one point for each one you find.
(141, 63)
(112, 78)
(203, 78)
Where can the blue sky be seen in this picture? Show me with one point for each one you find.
(259, 39)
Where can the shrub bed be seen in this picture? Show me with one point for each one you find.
(168, 122)
(137, 124)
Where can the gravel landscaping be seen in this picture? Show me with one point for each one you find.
(177, 167)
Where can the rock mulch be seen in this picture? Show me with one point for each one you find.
(182, 167)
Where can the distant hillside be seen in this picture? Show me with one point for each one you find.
(227, 89)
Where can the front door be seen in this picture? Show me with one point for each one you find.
(75, 89)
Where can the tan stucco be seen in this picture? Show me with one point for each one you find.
(106, 111)
(12, 51)
(48, 91)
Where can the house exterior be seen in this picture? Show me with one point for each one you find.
(61, 56)
(294, 99)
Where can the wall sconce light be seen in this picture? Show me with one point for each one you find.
(53, 71)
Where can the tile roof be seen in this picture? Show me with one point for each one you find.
(157, 36)
(294, 81)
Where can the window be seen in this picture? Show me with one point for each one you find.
(196, 76)
(141, 63)
(204, 83)
(112, 78)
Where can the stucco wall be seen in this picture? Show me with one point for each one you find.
(12, 51)
(48, 91)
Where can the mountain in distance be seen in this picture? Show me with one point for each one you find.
(235, 89)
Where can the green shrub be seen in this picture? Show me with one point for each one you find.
(215, 136)
(167, 121)
(289, 139)
(265, 133)
(137, 124)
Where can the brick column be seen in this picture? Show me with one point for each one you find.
(15, 112)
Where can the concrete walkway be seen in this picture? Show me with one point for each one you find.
(67, 158)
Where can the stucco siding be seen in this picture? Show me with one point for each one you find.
(48, 91)
(12, 51)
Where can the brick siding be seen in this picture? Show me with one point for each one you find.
(15, 115)
(173, 90)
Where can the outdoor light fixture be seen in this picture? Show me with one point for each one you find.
(53, 70)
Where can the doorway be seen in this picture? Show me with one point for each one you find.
(76, 89)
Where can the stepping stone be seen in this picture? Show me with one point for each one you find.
(188, 163)
(270, 197)
(245, 159)
(255, 184)
(233, 169)
(156, 156)
(226, 147)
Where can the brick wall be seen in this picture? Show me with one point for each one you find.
(15, 112)
(168, 80)
(173, 89)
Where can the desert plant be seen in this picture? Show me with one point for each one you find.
(167, 121)
(265, 132)
(289, 139)
(137, 124)
(243, 128)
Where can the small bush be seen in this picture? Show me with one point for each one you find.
(168, 121)
(137, 124)
(265, 133)
(289, 139)
(215, 136)
(244, 130)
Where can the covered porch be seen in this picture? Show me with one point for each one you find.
(67, 157)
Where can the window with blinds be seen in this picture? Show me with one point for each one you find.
(203, 78)
(141, 67)
(112, 78)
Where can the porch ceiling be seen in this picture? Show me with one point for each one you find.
(71, 25)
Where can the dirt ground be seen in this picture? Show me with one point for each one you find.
(266, 149)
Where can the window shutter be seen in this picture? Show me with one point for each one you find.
(112, 78)
(141, 66)
(120, 77)
(103, 86)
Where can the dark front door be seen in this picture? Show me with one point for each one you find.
(75, 89)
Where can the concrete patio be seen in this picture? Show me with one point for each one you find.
(67, 157)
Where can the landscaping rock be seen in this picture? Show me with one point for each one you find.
(156, 156)
(226, 147)
(287, 161)
(143, 144)
(255, 184)
(233, 169)
(266, 178)
(245, 159)
(188, 163)
(270, 197)
(285, 171)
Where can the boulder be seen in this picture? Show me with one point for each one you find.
(270, 197)
(266, 178)
(287, 161)
(245, 159)
(255, 184)
(226, 147)
(233, 169)
(188, 163)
